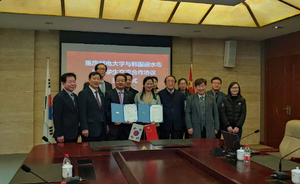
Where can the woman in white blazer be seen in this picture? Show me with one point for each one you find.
(147, 96)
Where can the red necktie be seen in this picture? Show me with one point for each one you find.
(120, 97)
(98, 101)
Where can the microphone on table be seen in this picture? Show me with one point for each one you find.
(46, 140)
(28, 170)
(256, 131)
(281, 175)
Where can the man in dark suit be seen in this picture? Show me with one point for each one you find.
(104, 85)
(118, 130)
(128, 84)
(216, 83)
(201, 113)
(173, 110)
(93, 122)
(65, 111)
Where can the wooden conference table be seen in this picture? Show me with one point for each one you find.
(157, 164)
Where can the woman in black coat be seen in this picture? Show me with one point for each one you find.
(234, 109)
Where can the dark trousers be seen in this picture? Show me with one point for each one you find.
(203, 133)
(122, 133)
(175, 134)
(101, 137)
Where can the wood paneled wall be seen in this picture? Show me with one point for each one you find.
(23, 71)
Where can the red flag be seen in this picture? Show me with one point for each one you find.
(191, 86)
(151, 132)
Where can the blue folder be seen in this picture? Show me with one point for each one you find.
(117, 114)
(143, 113)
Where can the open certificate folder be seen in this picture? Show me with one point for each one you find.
(150, 113)
(123, 112)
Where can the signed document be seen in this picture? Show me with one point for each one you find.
(156, 113)
(130, 113)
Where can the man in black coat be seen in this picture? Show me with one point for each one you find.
(93, 122)
(118, 130)
(173, 110)
(128, 84)
(65, 111)
(104, 85)
(216, 83)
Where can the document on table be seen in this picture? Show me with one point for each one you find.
(156, 113)
(130, 113)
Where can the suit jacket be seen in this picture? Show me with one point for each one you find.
(65, 115)
(173, 109)
(108, 86)
(113, 97)
(192, 116)
(152, 101)
(92, 117)
(133, 91)
(221, 96)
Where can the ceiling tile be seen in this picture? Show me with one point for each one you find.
(82, 8)
(156, 11)
(38, 7)
(121, 10)
(190, 13)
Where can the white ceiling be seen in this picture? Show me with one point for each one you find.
(38, 22)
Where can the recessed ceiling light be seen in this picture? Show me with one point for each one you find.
(127, 27)
(197, 31)
(49, 23)
(278, 27)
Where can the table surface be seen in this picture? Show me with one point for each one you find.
(157, 164)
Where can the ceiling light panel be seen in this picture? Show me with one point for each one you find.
(293, 2)
(121, 10)
(82, 8)
(190, 13)
(269, 11)
(39, 7)
(230, 16)
(156, 11)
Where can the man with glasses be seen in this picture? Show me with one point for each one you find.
(104, 85)
(216, 83)
(201, 115)
(173, 110)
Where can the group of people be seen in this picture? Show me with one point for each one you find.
(186, 115)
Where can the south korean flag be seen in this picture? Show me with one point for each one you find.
(136, 132)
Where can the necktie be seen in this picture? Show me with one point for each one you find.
(98, 101)
(72, 97)
(202, 98)
(102, 87)
(120, 97)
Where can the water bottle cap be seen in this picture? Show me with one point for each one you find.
(63, 182)
(67, 155)
(247, 145)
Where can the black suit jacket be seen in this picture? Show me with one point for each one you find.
(108, 86)
(113, 97)
(65, 115)
(92, 118)
(133, 91)
(173, 109)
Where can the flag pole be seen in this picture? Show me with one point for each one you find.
(48, 123)
(191, 86)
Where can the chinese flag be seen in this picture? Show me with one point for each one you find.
(191, 86)
(151, 132)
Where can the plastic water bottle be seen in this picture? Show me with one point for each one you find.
(247, 153)
(67, 167)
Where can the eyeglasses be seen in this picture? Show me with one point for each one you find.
(235, 88)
